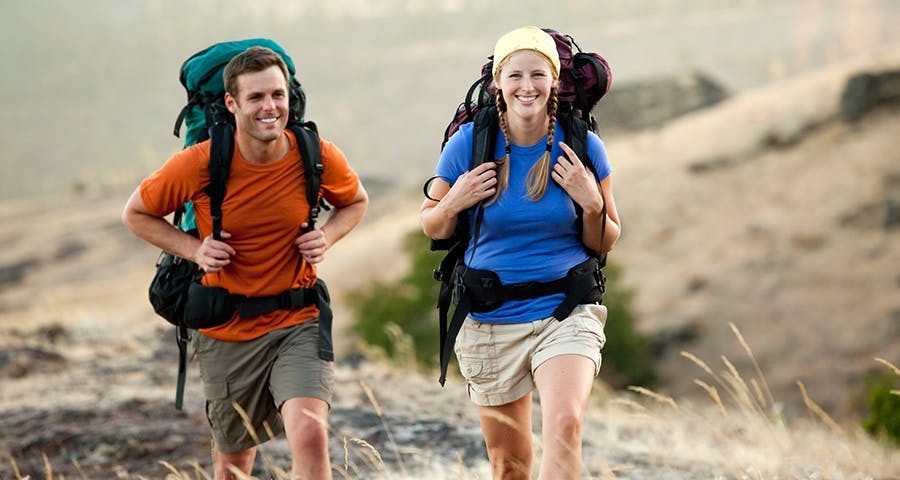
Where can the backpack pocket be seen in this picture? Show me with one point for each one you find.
(168, 289)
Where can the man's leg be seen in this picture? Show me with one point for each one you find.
(242, 460)
(306, 428)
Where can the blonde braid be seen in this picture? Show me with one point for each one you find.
(503, 163)
(539, 175)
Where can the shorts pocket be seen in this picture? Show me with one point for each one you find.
(476, 370)
(217, 403)
(591, 322)
(476, 352)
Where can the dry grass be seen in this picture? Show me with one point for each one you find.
(643, 434)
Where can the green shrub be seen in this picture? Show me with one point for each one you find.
(627, 359)
(410, 304)
(883, 407)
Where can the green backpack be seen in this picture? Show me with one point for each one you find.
(206, 117)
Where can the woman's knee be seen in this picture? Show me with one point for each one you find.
(508, 466)
(566, 423)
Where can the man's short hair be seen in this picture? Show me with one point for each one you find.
(254, 59)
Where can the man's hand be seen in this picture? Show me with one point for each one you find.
(213, 255)
(312, 245)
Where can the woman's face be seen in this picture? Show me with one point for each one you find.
(525, 79)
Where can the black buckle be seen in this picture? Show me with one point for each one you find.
(459, 288)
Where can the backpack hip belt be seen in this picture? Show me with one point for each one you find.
(287, 300)
(209, 306)
(482, 291)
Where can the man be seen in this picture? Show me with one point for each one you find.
(268, 365)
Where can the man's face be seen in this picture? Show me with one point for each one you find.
(262, 105)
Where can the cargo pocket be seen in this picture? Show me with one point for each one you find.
(217, 404)
(476, 353)
(476, 370)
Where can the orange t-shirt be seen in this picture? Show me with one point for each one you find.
(263, 210)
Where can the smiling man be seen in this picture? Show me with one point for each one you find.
(268, 363)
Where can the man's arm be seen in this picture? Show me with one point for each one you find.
(312, 245)
(211, 255)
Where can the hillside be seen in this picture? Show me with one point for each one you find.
(773, 212)
(766, 211)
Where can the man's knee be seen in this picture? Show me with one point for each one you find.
(242, 460)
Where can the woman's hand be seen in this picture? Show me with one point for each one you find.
(444, 203)
(470, 188)
(578, 182)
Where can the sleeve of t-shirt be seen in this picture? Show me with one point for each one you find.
(455, 157)
(177, 181)
(597, 154)
(339, 181)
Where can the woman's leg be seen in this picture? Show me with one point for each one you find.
(507, 433)
(564, 384)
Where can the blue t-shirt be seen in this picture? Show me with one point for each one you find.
(523, 240)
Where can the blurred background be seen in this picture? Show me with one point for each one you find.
(90, 90)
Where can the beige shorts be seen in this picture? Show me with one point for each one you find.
(498, 361)
(260, 375)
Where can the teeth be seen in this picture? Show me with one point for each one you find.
(268, 120)
(528, 99)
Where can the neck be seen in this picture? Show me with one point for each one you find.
(527, 131)
(262, 152)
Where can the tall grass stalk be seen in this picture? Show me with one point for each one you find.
(759, 374)
(387, 429)
(816, 409)
(655, 396)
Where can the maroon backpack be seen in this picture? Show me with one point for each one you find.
(583, 80)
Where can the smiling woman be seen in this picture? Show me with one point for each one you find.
(528, 314)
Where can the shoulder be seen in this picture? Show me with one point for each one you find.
(596, 150)
(188, 161)
(456, 155)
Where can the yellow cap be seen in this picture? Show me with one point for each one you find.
(526, 38)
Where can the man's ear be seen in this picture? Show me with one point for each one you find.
(230, 103)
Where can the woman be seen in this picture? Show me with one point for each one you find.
(528, 234)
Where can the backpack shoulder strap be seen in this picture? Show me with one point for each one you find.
(308, 142)
(576, 131)
(484, 136)
(221, 150)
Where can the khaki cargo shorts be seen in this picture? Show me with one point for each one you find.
(260, 375)
(498, 360)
